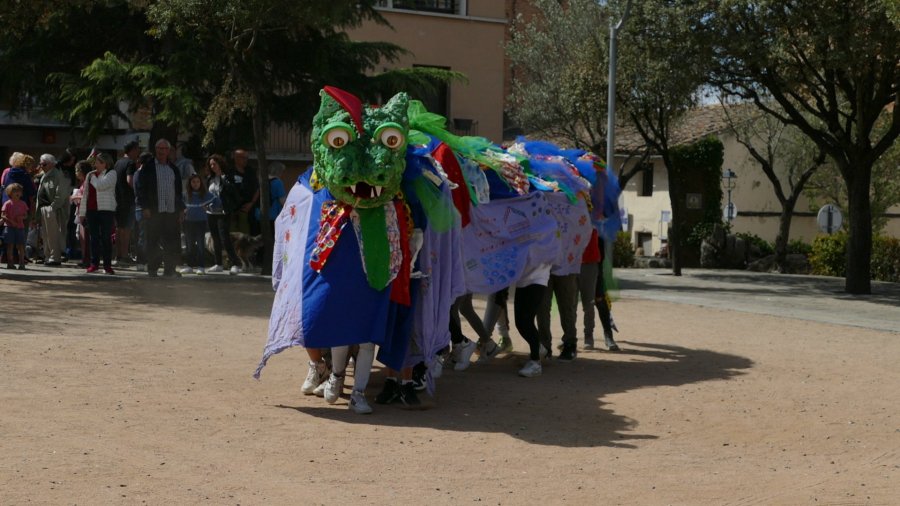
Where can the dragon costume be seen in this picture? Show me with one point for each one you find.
(398, 217)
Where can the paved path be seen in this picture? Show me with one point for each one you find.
(814, 298)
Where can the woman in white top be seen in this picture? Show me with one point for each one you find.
(98, 209)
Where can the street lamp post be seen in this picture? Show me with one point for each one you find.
(729, 179)
(611, 98)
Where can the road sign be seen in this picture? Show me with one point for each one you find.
(829, 219)
(729, 212)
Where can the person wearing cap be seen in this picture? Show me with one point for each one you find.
(53, 209)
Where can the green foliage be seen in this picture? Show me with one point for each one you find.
(829, 255)
(623, 251)
(886, 259)
(796, 246)
(765, 247)
(563, 96)
(698, 166)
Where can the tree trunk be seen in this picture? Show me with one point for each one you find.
(259, 137)
(676, 237)
(859, 244)
(784, 231)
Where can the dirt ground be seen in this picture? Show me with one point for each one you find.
(134, 391)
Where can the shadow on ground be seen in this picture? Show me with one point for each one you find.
(570, 413)
(48, 299)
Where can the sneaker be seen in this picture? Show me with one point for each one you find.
(215, 268)
(140, 267)
(359, 404)
(408, 396)
(588, 345)
(464, 358)
(115, 262)
(568, 353)
(418, 376)
(438, 369)
(488, 350)
(545, 352)
(532, 368)
(390, 393)
(334, 386)
(199, 271)
(611, 343)
(235, 270)
(11, 266)
(186, 270)
(21, 267)
(314, 377)
(92, 268)
(109, 270)
(320, 390)
(505, 344)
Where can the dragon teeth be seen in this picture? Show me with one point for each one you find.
(377, 190)
(353, 188)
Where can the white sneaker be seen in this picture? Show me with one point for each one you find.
(489, 350)
(314, 377)
(532, 368)
(234, 270)
(320, 390)
(199, 270)
(466, 349)
(438, 368)
(215, 268)
(545, 352)
(505, 343)
(140, 267)
(333, 388)
(186, 270)
(359, 404)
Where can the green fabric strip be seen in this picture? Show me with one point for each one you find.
(375, 246)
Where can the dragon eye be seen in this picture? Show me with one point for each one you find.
(338, 136)
(391, 137)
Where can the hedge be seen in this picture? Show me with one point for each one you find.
(829, 256)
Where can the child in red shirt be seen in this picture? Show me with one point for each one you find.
(13, 214)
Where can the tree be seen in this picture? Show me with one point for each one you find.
(559, 61)
(831, 66)
(564, 98)
(787, 158)
(664, 64)
(828, 187)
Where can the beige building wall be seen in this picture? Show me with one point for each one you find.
(753, 193)
(470, 44)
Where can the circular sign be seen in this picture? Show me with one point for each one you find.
(729, 212)
(829, 219)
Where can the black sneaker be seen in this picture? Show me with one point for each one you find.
(408, 396)
(418, 376)
(390, 393)
(568, 353)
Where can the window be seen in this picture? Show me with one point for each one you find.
(646, 181)
(441, 6)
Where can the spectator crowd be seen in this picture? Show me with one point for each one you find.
(147, 210)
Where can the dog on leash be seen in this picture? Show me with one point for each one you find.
(245, 246)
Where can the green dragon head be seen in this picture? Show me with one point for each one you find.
(360, 153)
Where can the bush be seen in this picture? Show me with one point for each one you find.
(623, 251)
(829, 255)
(797, 246)
(886, 259)
(765, 248)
